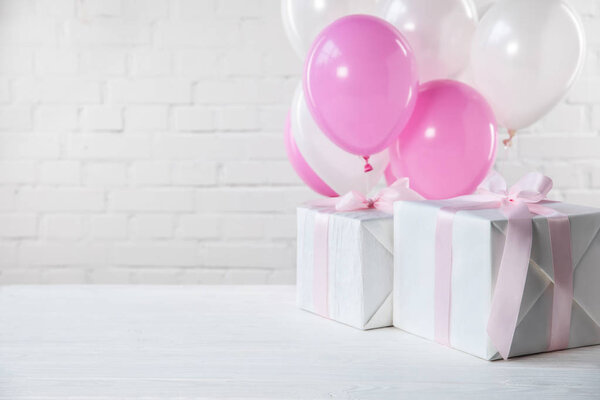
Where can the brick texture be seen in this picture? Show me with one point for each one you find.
(141, 141)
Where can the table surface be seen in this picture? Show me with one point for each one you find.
(243, 342)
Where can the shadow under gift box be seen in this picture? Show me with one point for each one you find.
(350, 280)
(478, 239)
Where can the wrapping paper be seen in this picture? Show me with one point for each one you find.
(359, 267)
(478, 239)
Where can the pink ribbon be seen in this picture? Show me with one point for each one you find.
(518, 204)
(352, 201)
(383, 201)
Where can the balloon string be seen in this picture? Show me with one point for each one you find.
(368, 167)
(508, 142)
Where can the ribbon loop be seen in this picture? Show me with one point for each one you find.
(493, 183)
(351, 201)
(532, 188)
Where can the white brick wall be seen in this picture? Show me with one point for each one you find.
(141, 141)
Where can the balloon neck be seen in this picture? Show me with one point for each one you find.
(368, 167)
(508, 142)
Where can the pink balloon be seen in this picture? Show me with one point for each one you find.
(449, 144)
(360, 83)
(304, 171)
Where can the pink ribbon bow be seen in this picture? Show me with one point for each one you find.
(352, 201)
(529, 190)
(383, 201)
(518, 204)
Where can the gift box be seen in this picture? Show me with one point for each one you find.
(345, 256)
(345, 265)
(499, 274)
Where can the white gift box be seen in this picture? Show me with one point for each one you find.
(478, 239)
(354, 282)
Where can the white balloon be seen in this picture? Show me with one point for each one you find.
(369, 7)
(483, 6)
(526, 55)
(303, 20)
(439, 32)
(340, 170)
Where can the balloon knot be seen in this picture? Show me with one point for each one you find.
(368, 167)
(508, 142)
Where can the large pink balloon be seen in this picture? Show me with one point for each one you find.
(360, 83)
(304, 171)
(449, 144)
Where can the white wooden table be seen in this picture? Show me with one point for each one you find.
(210, 342)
